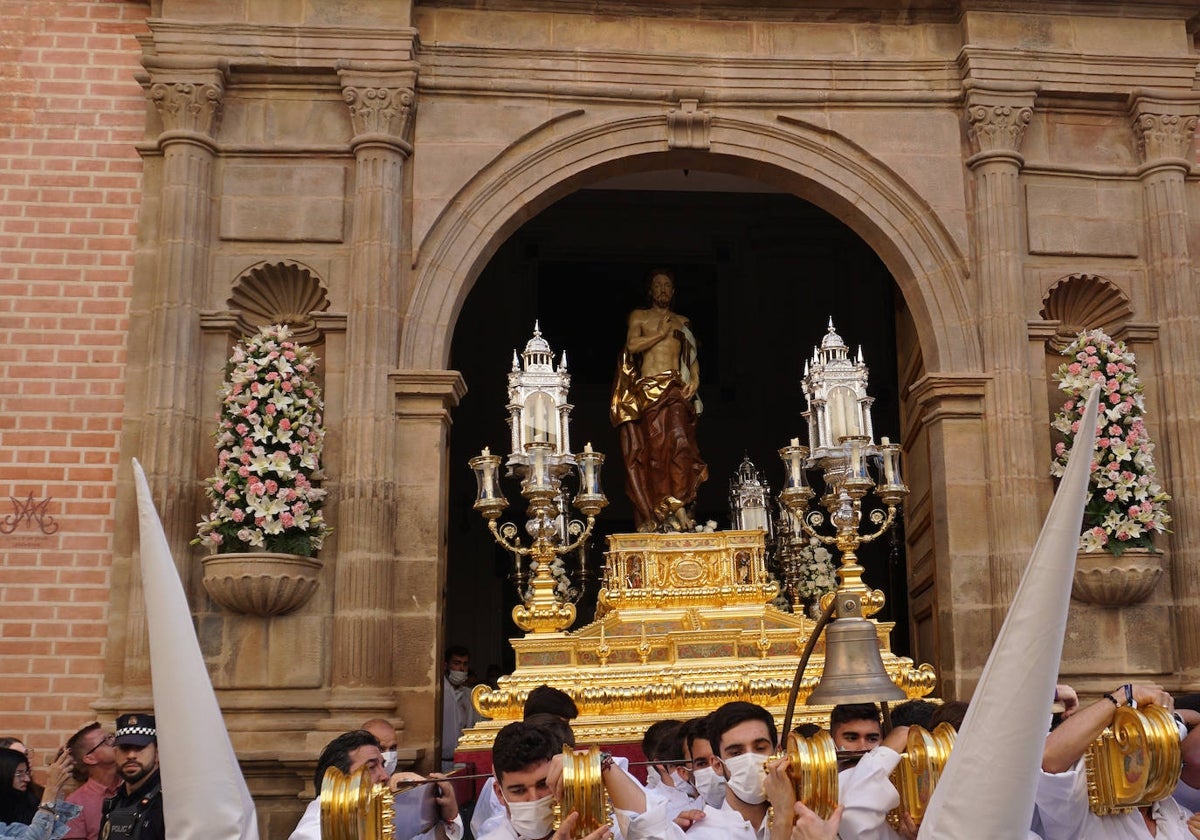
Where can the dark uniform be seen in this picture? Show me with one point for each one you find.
(136, 815)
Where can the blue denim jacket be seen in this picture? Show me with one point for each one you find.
(45, 826)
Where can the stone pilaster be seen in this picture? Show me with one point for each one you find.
(189, 103)
(951, 409)
(1165, 129)
(996, 121)
(423, 399)
(380, 104)
(187, 97)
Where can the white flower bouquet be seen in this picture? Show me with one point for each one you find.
(1126, 505)
(814, 571)
(268, 445)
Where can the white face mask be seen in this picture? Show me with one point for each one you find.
(746, 777)
(456, 677)
(389, 761)
(682, 784)
(711, 785)
(532, 820)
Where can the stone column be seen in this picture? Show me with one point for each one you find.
(996, 120)
(380, 103)
(168, 432)
(1165, 128)
(951, 408)
(423, 399)
(188, 100)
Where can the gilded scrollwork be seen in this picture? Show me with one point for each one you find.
(666, 643)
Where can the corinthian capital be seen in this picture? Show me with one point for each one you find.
(996, 121)
(381, 103)
(187, 99)
(1164, 128)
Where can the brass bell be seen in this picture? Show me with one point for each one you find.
(854, 671)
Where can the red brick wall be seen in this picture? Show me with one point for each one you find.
(70, 185)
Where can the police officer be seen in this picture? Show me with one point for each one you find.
(136, 811)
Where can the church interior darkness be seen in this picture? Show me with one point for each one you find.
(758, 273)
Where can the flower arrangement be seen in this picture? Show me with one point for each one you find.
(1126, 504)
(563, 588)
(268, 443)
(814, 571)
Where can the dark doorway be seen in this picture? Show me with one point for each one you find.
(759, 274)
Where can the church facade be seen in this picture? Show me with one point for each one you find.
(1023, 172)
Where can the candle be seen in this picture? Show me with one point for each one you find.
(795, 442)
(486, 451)
(587, 447)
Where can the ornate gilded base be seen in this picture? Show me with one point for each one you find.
(684, 625)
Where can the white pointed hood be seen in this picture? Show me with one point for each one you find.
(987, 788)
(204, 793)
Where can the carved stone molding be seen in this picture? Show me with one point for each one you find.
(1108, 581)
(1084, 302)
(189, 101)
(283, 292)
(996, 121)
(261, 583)
(687, 127)
(381, 104)
(1164, 129)
(427, 394)
(945, 395)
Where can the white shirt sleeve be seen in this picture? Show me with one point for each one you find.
(1062, 802)
(654, 824)
(309, 827)
(867, 794)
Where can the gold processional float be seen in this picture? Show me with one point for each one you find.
(686, 622)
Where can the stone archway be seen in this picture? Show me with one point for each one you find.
(928, 264)
(819, 166)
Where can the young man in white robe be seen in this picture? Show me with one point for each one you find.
(527, 761)
(1062, 798)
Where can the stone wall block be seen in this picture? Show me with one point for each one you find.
(283, 203)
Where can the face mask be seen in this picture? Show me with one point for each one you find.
(532, 820)
(457, 677)
(746, 777)
(389, 761)
(682, 784)
(711, 785)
